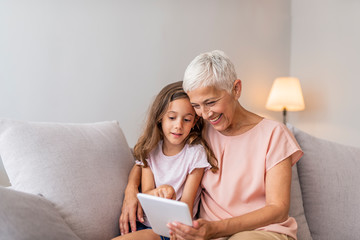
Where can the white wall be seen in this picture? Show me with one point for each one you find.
(325, 56)
(86, 61)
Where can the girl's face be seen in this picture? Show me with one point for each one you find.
(216, 106)
(176, 125)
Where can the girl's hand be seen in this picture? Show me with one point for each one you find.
(164, 191)
(199, 231)
(131, 209)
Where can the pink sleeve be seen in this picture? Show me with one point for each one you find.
(282, 145)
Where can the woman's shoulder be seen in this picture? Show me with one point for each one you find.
(265, 127)
(271, 124)
(279, 130)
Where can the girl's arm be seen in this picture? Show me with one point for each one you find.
(148, 185)
(191, 187)
(278, 182)
(147, 180)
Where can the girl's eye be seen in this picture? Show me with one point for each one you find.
(187, 120)
(172, 118)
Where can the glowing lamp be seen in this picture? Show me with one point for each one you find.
(285, 95)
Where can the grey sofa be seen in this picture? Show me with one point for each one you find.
(68, 181)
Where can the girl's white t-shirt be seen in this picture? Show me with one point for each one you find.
(173, 170)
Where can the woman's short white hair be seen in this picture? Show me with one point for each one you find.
(210, 69)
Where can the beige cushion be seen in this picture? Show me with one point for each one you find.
(81, 168)
(25, 216)
(297, 208)
(296, 202)
(329, 179)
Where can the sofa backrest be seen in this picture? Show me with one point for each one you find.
(329, 179)
(81, 168)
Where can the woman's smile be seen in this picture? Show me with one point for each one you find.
(216, 119)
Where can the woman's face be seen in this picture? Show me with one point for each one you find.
(214, 105)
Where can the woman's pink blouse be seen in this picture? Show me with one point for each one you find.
(238, 187)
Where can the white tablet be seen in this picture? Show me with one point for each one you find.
(161, 211)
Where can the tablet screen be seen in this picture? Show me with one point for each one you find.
(161, 211)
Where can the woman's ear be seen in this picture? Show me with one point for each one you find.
(237, 88)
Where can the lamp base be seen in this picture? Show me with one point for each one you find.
(284, 115)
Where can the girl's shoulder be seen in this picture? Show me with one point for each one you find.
(194, 148)
(196, 157)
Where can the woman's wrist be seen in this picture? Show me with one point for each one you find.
(220, 228)
(131, 189)
(216, 228)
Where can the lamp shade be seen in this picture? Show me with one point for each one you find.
(286, 94)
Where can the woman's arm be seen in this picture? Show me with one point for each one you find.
(131, 206)
(191, 186)
(278, 182)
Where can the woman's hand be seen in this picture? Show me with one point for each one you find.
(200, 230)
(164, 191)
(130, 209)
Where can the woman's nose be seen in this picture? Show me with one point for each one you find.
(205, 112)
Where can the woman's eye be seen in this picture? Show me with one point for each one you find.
(171, 118)
(211, 103)
(196, 106)
(187, 120)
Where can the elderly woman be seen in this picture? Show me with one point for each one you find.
(249, 196)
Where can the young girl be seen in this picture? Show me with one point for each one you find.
(172, 153)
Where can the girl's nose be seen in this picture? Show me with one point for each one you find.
(178, 124)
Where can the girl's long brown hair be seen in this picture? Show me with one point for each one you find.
(153, 133)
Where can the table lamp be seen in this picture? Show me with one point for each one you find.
(285, 95)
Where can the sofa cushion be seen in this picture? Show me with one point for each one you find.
(24, 216)
(297, 208)
(4, 180)
(329, 179)
(81, 168)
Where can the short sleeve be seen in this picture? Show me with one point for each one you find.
(139, 163)
(198, 158)
(282, 144)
